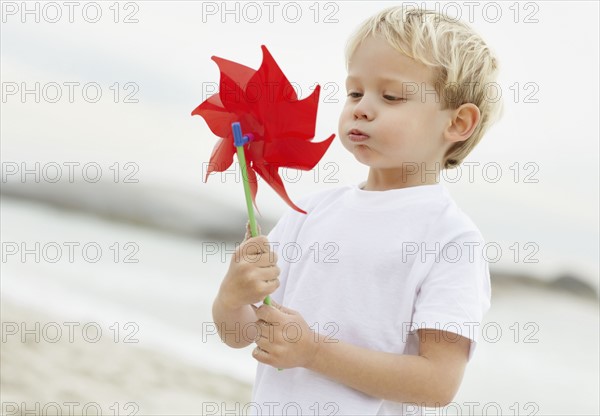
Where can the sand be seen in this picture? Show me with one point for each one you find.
(117, 378)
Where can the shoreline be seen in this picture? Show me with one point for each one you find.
(586, 285)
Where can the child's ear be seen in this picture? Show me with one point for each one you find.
(464, 121)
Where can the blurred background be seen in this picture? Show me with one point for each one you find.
(113, 247)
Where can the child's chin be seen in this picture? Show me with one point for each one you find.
(363, 154)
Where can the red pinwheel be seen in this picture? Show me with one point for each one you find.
(279, 127)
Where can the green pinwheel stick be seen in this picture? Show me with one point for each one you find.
(239, 141)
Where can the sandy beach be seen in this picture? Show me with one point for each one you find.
(39, 376)
(117, 378)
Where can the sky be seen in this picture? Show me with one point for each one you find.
(116, 83)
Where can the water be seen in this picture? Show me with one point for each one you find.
(167, 293)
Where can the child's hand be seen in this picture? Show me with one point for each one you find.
(248, 231)
(284, 340)
(252, 275)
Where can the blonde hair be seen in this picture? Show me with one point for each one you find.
(464, 65)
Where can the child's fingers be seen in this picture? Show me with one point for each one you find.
(249, 232)
(282, 308)
(247, 235)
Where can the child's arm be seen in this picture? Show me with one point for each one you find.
(230, 322)
(430, 379)
(252, 275)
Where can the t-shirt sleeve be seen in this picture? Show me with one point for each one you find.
(455, 293)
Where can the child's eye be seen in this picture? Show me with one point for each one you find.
(353, 94)
(393, 98)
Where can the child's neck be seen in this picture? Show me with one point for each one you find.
(409, 176)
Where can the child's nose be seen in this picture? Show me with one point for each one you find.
(362, 110)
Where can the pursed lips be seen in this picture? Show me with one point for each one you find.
(356, 135)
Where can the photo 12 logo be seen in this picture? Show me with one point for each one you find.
(69, 251)
(478, 11)
(290, 252)
(69, 12)
(70, 408)
(69, 91)
(52, 172)
(321, 173)
(270, 12)
(253, 92)
(71, 332)
(210, 408)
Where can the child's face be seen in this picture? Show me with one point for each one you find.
(392, 100)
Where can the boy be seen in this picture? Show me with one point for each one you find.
(388, 282)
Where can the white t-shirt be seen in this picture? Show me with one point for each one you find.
(370, 268)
